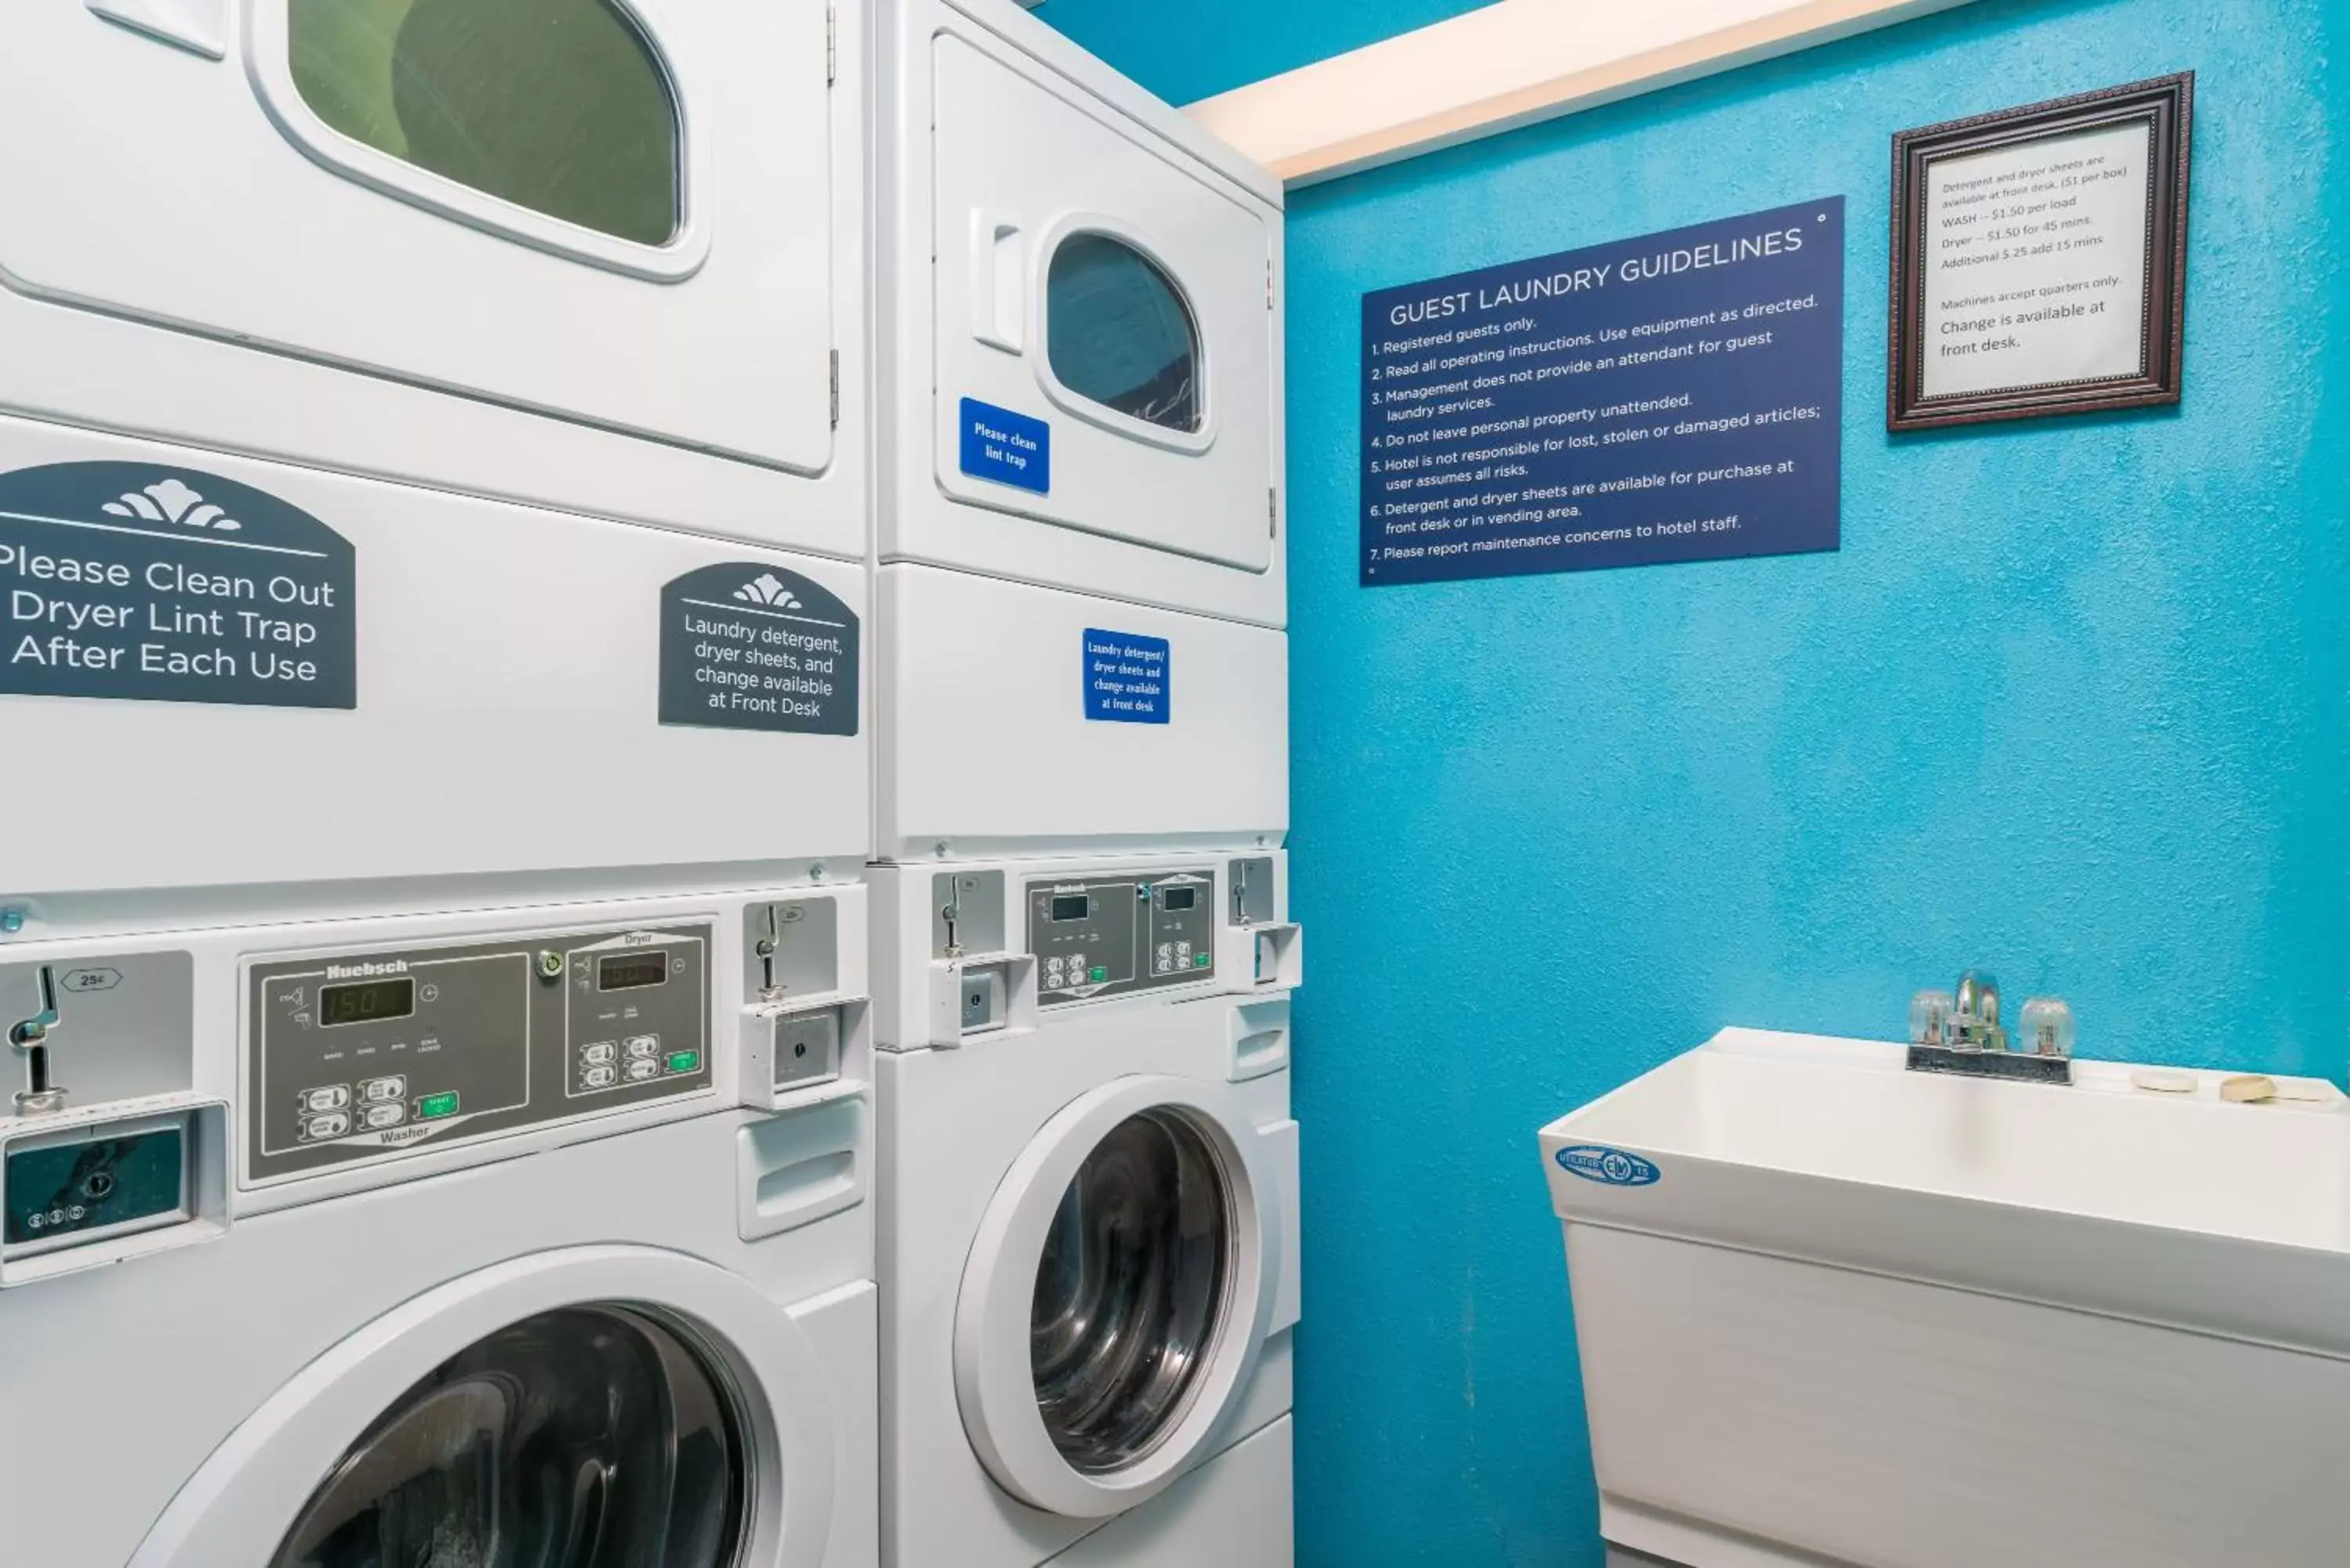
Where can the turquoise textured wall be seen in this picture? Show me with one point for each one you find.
(2073, 703)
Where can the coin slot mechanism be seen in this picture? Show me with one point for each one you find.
(966, 913)
(95, 1186)
(791, 947)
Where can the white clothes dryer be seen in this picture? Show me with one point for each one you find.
(547, 250)
(442, 1239)
(1080, 322)
(1080, 553)
(1088, 1234)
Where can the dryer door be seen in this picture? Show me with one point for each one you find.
(601, 1407)
(556, 204)
(1117, 1297)
(1104, 323)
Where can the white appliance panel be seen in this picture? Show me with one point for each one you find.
(266, 226)
(508, 666)
(1235, 1512)
(987, 745)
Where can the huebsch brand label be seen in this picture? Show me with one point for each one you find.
(1608, 1166)
(135, 580)
(1126, 677)
(751, 646)
(1011, 448)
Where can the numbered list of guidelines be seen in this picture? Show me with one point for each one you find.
(1675, 398)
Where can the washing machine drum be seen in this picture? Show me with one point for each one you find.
(1116, 1300)
(589, 1436)
(593, 1407)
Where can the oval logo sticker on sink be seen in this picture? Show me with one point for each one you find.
(1608, 1166)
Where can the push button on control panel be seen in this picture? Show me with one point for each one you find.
(334, 1124)
(382, 1115)
(331, 1098)
(375, 1091)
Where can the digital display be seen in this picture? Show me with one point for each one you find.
(369, 1001)
(626, 971)
(1174, 899)
(1071, 906)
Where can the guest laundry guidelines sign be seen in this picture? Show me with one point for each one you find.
(1677, 398)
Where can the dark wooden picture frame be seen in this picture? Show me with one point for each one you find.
(2168, 103)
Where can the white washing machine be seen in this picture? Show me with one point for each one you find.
(549, 250)
(525, 1235)
(1079, 536)
(1088, 1228)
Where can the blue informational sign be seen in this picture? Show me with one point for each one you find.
(1675, 398)
(1011, 448)
(1126, 677)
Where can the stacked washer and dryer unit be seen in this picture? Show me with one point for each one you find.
(433, 520)
(1088, 1181)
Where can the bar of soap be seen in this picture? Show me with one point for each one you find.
(2247, 1087)
(2163, 1081)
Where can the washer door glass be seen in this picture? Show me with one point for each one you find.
(589, 1436)
(1117, 331)
(1130, 1293)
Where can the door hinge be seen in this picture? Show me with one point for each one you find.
(831, 44)
(836, 388)
(1271, 511)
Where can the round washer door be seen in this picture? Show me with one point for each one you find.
(1115, 1303)
(593, 1407)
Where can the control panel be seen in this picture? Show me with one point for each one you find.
(361, 1056)
(1105, 937)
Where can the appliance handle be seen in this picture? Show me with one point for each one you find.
(998, 281)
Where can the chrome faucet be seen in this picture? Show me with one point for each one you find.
(1975, 1014)
(1960, 1032)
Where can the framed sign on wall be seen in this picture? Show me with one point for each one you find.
(2040, 258)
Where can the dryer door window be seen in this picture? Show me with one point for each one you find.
(556, 205)
(1130, 1292)
(589, 1436)
(559, 106)
(1118, 331)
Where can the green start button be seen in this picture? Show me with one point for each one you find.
(432, 1107)
(684, 1061)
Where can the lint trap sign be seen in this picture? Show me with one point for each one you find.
(134, 581)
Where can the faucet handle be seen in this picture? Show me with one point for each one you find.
(2048, 1029)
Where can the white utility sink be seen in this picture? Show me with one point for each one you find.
(1832, 1312)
